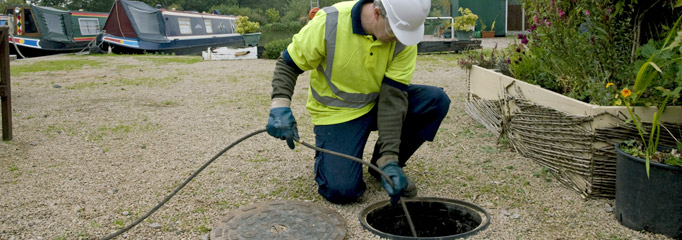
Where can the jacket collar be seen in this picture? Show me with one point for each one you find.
(356, 18)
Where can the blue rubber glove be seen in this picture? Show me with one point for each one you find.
(282, 125)
(396, 174)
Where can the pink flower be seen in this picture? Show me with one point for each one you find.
(535, 18)
(524, 40)
(587, 12)
(532, 28)
(548, 23)
(520, 36)
(562, 14)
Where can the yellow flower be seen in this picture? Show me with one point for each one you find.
(626, 92)
(609, 84)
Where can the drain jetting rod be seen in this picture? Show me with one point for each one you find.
(139, 220)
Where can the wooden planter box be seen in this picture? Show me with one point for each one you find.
(572, 138)
(488, 34)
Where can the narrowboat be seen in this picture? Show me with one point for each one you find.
(135, 27)
(39, 31)
(4, 20)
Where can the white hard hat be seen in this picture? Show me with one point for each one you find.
(406, 18)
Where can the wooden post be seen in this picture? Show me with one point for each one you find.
(5, 93)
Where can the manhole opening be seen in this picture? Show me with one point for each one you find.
(431, 218)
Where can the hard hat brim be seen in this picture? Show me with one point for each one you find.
(407, 37)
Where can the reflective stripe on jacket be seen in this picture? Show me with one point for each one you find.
(349, 67)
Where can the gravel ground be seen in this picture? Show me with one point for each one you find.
(97, 146)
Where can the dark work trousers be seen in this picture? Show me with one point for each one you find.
(340, 179)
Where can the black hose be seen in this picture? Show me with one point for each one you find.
(139, 220)
(119, 232)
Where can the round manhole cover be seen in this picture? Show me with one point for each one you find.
(281, 220)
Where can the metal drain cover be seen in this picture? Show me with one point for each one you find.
(281, 220)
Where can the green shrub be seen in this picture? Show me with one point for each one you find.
(275, 48)
(246, 26)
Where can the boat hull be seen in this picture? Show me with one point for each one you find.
(176, 46)
(34, 47)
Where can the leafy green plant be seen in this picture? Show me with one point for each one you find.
(649, 71)
(483, 26)
(466, 21)
(272, 14)
(492, 26)
(245, 26)
(275, 48)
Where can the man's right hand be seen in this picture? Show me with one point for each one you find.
(282, 125)
(389, 165)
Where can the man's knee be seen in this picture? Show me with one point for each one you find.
(439, 100)
(342, 192)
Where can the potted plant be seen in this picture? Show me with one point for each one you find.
(464, 24)
(249, 30)
(645, 198)
(491, 32)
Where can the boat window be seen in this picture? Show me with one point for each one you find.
(185, 25)
(29, 24)
(207, 23)
(89, 26)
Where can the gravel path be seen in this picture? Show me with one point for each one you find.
(99, 145)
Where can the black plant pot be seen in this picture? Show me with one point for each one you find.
(652, 204)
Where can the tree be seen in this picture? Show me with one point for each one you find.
(4, 4)
(273, 15)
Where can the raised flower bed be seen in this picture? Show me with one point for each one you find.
(575, 140)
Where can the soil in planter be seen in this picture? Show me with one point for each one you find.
(431, 219)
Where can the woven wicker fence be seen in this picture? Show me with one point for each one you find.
(577, 145)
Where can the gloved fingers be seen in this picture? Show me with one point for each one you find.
(387, 186)
(395, 199)
(295, 135)
(290, 142)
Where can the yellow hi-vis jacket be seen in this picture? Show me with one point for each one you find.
(348, 65)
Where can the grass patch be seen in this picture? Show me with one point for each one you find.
(13, 167)
(100, 132)
(204, 229)
(53, 65)
(87, 85)
(145, 82)
(544, 173)
(160, 60)
(119, 223)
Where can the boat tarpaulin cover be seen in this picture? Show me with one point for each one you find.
(54, 24)
(147, 21)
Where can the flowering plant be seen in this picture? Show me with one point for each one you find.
(575, 47)
(466, 21)
(648, 72)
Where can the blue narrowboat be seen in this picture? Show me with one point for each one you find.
(135, 27)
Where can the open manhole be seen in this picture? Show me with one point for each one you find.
(433, 218)
(281, 220)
